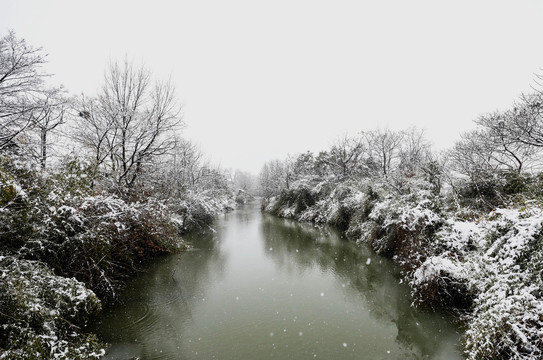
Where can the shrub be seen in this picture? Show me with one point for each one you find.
(498, 260)
(442, 282)
(42, 314)
(114, 239)
(293, 202)
(407, 224)
(197, 210)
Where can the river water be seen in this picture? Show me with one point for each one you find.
(259, 287)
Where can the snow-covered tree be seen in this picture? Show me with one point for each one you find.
(21, 77)
(49, 113)
(132, 121)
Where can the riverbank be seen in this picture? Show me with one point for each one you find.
(66, 249)
(483, 266)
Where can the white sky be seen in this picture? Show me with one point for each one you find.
(259, 80)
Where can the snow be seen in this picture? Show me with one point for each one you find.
(54, 301)
(435, 267)
(498, 257)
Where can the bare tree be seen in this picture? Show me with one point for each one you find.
(187, 161)
(414, 153)
(514, 136)
(475, 173)
(132, 121)
(181, 170)
(524, 122)
(304, 165)
(212, 180)
(273, 178)
(474, 155)
(345, 156)
(47, 115)
(384, 149)
(95, 131)
(20, 78)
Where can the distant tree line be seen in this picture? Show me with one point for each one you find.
(484, 168)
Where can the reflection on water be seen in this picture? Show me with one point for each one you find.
(266, 288)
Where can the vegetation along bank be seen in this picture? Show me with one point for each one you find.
(90, 189)
(465, 224)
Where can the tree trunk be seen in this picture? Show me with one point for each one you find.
(43, 157)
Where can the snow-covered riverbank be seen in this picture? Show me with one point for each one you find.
(486, 267)
(67, 249)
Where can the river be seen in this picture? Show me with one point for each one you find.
(259, 287)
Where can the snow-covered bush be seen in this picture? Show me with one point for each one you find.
(361, 202)
(443, 282)
(499, 189)
(16, 190)
(115, 238)
(340, 206)
(507, 319)
(292, 202)
(405, 225)
(64, 223)
(42, 315)
(495, 262)
(196, 210)
(345, 206)
(319, 213)
(99, 239)
(321, 202)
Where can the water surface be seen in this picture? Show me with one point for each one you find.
(260, 287)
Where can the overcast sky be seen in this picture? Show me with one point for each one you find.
(259, 80)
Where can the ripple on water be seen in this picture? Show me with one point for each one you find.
(132, 315)
(148, 324)
(167, 298)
